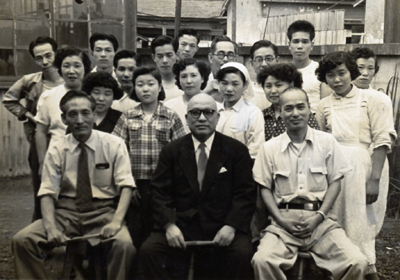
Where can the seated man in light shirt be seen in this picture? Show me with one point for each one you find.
(84, 172)
(299, 173)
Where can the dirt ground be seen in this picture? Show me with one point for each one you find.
(16, 206)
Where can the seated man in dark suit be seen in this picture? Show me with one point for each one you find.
(203, 189)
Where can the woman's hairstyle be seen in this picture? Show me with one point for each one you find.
(203, 68)
(228, 70)
(283, 72)
(333, 60)
(365, 53)
(147, 71)
(72, 94)
(61, 54)
(101, 79)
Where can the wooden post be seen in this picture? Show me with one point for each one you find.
(392, 21)
(178, 9)
(234, 15)
(131, 24)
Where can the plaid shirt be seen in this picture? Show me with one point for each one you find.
(275, 127)
(145, 140)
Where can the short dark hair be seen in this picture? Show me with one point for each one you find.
(61, 54)
(127, 54)
(41, 41)
(102, 36)
(72, 94)
(263, 44)
(227, 70)
(365, 53)
(284, 72)
(188, 31)
(223, 38)
(333, 60)
(295, 89)
(162, 40)
(301, 26)
(203, 68)
(144, 71)
(101, 79)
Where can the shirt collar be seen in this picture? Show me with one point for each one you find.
(91, 142)
(351, 94)
(235, 107)
(269, 112)
(286, 139)
(160, 111)
(208, 142)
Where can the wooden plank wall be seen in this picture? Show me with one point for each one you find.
(14, 147)
(329, 27)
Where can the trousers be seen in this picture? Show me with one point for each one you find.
(30, 245)
(328, 245)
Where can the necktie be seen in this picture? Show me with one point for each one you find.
(201, 164)
(83, 188)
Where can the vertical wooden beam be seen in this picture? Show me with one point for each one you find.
(130, 24)
(178, 10)
(234, 15)
(392, 22)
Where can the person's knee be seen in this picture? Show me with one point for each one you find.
(19, 239)
(358, 262)
(124, 246)
(259, 259)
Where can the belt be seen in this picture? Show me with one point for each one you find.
(311, 206)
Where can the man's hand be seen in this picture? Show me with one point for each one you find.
(372, 190)
(110, 230)
(290, 225)
(175, 237)
(55, 237)
(225, 236)
(307, 227)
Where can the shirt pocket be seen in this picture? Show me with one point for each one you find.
(103, 178)
(163, 131)
(135, 130)
(282, 183)
(318, 180)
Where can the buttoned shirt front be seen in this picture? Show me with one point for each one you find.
(306, 173)
(244, 122)
(146, 139)
(108, 160)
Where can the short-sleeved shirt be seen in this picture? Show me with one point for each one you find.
(375, 115)
(108, 160)
(124, 104)
(311, 84)
(244, 122)
(276, 126)
(172, 92)
(146, 139)
(291, 173)
(259, 99)
(49, 112)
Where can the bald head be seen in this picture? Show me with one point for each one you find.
(202, 116)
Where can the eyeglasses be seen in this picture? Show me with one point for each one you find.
(196, 113)
(259, 59)
(221, 55)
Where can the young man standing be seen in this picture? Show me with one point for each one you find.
(188, 40)
(164, 50)
(31, 87)
(103, 48)
(125, 63)
(263, 54)
(301, 34)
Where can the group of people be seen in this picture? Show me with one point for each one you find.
(295, 160)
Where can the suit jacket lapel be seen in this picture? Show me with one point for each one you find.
(214, 163)
(187, 161)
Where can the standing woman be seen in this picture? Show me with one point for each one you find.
(150, 127)
(239, 118)
(72, 64)
(191, 77)
(357, 118)
(275, 80)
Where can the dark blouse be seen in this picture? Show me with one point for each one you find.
(275, 127)
(110, 120)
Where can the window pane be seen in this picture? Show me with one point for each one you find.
(6, 8)
(27, 31)
(24, 63)
(69, 9)
(7, 63)
(113, 29)
(72, 34)
(106, 9)
(32, 8)
(7, 33)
